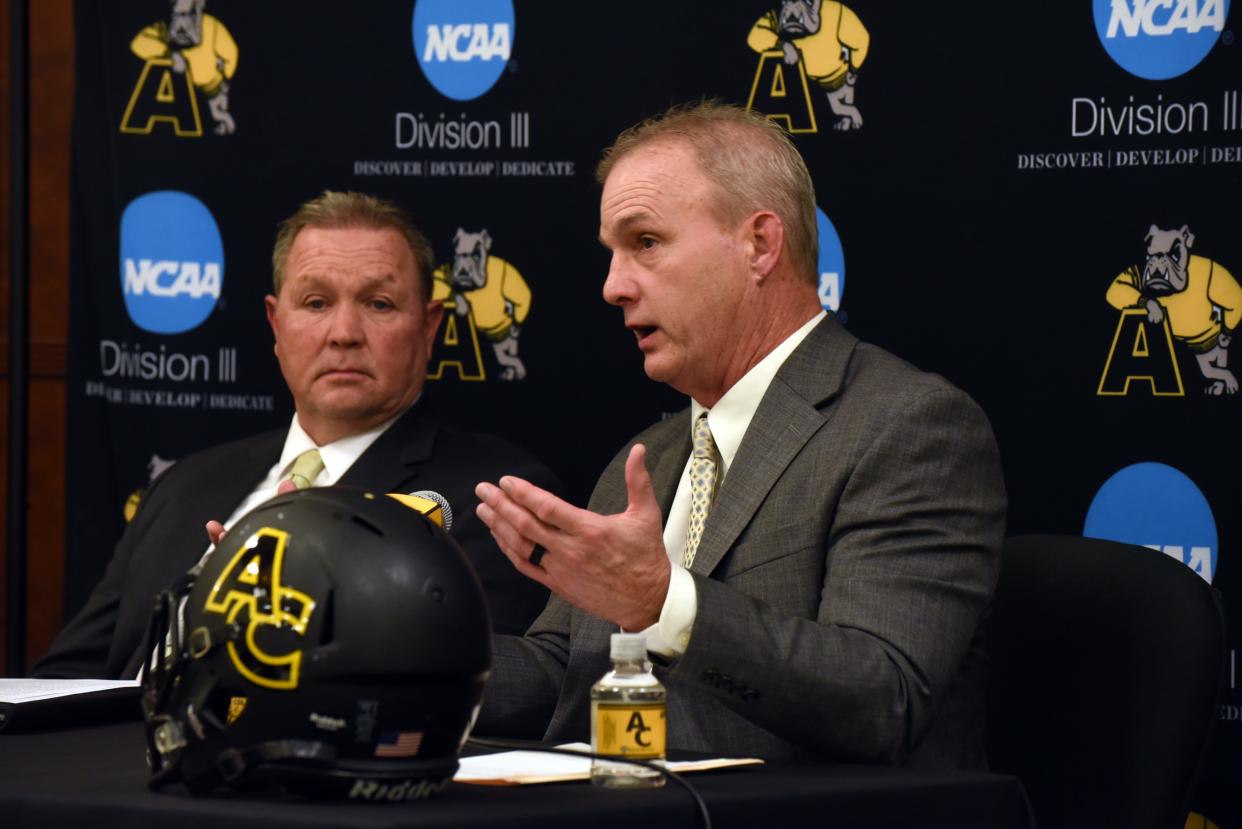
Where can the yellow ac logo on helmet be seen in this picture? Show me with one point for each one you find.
(251, 593)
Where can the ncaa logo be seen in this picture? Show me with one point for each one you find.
(831, 263)
(463, 46)
(172, 261)
(1156, 506)
(1159, 39)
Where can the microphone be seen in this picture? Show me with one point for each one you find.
(429, 504)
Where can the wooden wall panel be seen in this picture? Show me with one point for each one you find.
(51, 112)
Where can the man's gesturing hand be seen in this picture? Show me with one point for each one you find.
(611, 566)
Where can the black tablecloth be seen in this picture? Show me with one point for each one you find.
(97, 777)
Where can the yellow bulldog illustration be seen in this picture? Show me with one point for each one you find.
(489, 290)
(831, 42)
(197, 44)
(1201, 300)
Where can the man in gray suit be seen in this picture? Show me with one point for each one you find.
(830, 603)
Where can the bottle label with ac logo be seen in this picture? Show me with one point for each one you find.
(630, 730)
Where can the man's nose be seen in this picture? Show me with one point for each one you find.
(346, 328)
(618, 287)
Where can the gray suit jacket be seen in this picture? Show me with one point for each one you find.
(842, 576)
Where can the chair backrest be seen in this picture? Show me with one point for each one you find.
(1107, 669)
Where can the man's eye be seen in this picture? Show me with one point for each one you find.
(316, 304)
(381, 304)
(647, 242)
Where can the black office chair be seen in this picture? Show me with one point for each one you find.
(1107, 669)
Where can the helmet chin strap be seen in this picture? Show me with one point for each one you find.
(290, 763)
(239, 767)
(312, 768)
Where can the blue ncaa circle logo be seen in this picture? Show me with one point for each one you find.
(831, 263)
(1159, 39)
(1156, 506)
(463, 46)
(172, 261)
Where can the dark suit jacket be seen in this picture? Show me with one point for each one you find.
(842, 575)
(166, 536)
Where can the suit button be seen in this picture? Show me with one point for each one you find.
(750, 695)
(710, 675)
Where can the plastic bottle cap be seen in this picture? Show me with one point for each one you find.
(629, 647)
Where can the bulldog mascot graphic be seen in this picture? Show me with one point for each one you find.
(1200, 299)
(489, 290)
(831, 42)
(197, 44)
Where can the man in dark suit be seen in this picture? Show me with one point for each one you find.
(354, 324)
(812, 545)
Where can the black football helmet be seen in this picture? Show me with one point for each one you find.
(335, 644)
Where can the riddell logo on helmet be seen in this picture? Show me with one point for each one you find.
(373, 790)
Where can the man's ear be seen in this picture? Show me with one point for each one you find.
(269, 304)
(766, 239)
(435, 313)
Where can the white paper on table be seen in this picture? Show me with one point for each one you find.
(29, 690)
(519, 768)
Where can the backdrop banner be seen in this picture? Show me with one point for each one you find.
(1041, 207)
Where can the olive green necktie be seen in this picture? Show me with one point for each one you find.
(704, 469)
(306, 468)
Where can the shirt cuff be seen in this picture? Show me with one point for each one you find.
(670, 636)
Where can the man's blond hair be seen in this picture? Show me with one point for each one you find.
(750, 162)
(333, 210)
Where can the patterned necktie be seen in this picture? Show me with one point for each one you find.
(306, 468)
(704, 468)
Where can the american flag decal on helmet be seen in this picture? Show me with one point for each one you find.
(398, 743)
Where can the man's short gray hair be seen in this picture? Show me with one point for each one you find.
(750, 161)
(332, 210)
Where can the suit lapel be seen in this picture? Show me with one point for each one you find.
(393, 461)
(787, 417)
(237, 478)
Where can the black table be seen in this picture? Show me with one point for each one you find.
(97, 777)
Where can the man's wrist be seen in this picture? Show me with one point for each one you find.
(677, 616)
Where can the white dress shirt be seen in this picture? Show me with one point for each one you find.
(337, 458)
(729, 419)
